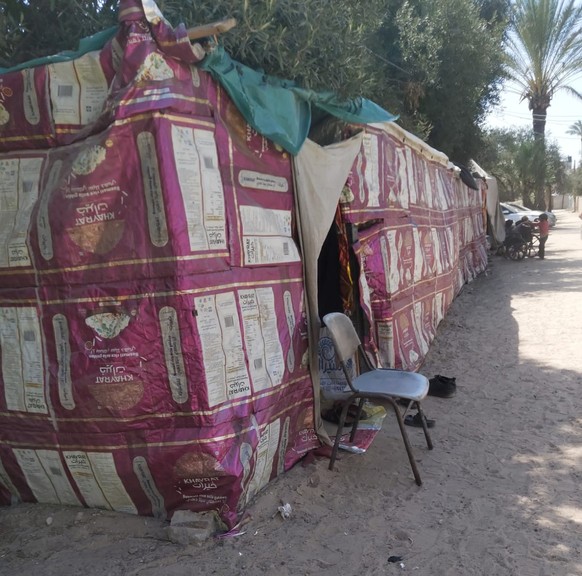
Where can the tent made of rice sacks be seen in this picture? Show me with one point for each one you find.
(159, 319)
(416, 234)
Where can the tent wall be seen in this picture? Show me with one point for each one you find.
(153, 335)
(155, 308)
(428, 243)
(421, 236)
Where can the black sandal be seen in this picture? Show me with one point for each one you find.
(334, 413)
(416, 421)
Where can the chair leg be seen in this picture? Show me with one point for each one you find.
(424, 426)
(338, 435)
(408, 407)
(406, 442)
(357, 419)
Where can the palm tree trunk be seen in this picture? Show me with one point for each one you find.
(539, 114)
(539, 129)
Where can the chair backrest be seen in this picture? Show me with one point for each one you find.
(343, 334)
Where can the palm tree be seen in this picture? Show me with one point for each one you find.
(576, 130)
(544, 56)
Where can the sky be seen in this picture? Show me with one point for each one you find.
(562, 113)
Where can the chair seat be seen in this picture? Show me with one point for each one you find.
(397, 383)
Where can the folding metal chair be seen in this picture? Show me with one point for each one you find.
(377, 384)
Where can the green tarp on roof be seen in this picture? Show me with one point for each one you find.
(281, 110)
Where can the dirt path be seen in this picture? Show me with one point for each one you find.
(501, 493)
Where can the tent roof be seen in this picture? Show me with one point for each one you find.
(278, 109)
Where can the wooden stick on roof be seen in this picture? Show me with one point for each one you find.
(213, 29)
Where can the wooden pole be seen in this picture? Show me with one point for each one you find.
(213, 29)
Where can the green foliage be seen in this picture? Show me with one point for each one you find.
(576, 130)
(556, 175)
(320, 44)
(10, 23)
(437, 64)
(40, 28)
(449, 67)
(544, 56)
(514, 157)
(573, 183)
(545, 52)
(510, 160)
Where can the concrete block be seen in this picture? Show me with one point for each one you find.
(189, 527)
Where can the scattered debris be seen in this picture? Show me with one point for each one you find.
(285, 511)
(237, 529)
(78, 517)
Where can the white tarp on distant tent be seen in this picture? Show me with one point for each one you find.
(496, 219)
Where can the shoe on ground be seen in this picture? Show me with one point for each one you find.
(416, 421)
(442, 386)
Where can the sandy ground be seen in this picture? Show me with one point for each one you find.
(501, 492)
